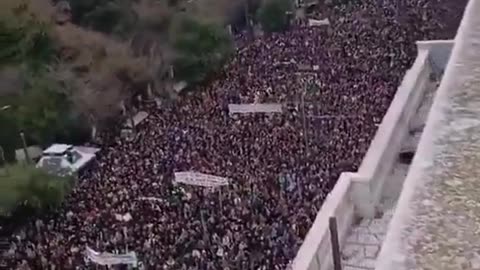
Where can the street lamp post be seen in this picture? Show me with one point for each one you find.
(25, 150)
(132, 121)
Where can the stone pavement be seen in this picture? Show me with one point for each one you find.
(364, 242)
(365, 239)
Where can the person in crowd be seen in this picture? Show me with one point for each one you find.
(339, 78)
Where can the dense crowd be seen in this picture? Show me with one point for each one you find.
(337, 81)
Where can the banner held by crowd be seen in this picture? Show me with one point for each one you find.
(109, 259)
(200, 179)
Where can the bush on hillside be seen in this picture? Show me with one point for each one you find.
(202, 49)
(273, 15)
(100, 71)
(111, 18)
(37, 105)
(25, 36)
(43, 112)
(31, 187)
(39, 109)
(108, 16)
(154, 16)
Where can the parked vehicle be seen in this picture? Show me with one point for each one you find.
(65, 159)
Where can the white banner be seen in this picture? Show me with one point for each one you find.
(126, 218)
(255, 108)
(200, 179)
(154, 199)
(106, 258)
(312, 22)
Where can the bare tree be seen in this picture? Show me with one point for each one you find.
(101, 72)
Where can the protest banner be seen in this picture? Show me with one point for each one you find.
(255, 108)
(107, 258)
(312, 22)
(153, 199)
(200, 179)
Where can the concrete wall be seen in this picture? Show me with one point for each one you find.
(382, 153)
(397, 251)
(315, 252)
(439, 53)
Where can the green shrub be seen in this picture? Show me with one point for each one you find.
(25, 40)
(44, 113)
(31, 187)
(273, 15)
(202, 48)
(108, 16)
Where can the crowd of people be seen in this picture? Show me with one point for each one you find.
(336, 83)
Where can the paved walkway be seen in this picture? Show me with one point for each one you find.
(364, 242)
(365, 239)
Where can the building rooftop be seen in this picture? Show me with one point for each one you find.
(436, 224)
(57, 149)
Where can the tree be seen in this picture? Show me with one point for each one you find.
(42, 108)
(153, 16)
(273, 15)
(9, 139)
(113, 17)
(26, 49)
(39, 110)
(25, 37)
(100, 69)
(44, 192)
(30, 187)
(202, 48)
(107, 16)
(81, 8)
(99, 72)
